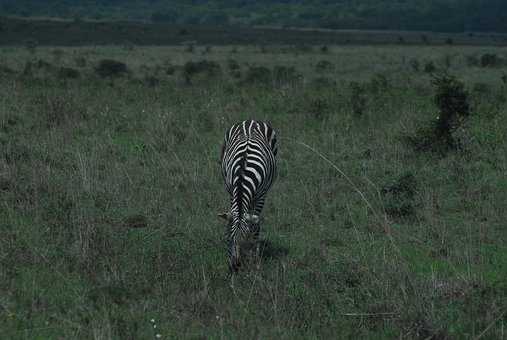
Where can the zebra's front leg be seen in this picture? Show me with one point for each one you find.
(234, 256)
(257, 244)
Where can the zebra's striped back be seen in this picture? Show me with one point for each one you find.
(249, 169)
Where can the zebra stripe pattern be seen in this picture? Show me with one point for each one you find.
(249, 169)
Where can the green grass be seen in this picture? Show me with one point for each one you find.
(110, 189)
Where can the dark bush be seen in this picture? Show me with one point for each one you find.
(43, 65)
(481, 89)
(324, 49)
(203, 67)
(80, 61)
(303, 48)
(449, 41)
(399, 196)
(324, 66)
(379, 83)
(358, 98)
(504, 78)
(170, 70)
(414, 63)
(429, 67)
(233, 64)
(28, 69)
(68, 73)
(490, 60)
(285, 74)
(6, 70)
(259, 75)
(452, 100)
(472, 60)
(152, 81)
(323, 82)
(111, 68)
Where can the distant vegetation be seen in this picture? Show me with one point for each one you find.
(33, 33)
(435, 15)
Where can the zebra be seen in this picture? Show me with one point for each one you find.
(249, 169)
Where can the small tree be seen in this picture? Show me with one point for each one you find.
(451, 98)
(452, 101)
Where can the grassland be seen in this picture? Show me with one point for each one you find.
(110, 186)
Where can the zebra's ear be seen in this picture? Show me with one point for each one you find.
(225, 216)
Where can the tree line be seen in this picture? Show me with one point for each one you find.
(428, 15)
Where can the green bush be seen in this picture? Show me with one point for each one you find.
(452, 100)
(108, 68)
(68, 73)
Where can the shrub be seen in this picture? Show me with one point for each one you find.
(80, 61)
(429, 67)
(259, 75)
(490, 60)
(152, 81)
(324, 49)
(324, 66)
(472, 60)
(6, 70)
(284, 74)
(452, 101)
(358, 98)
(414, 63)
(399, 196)
(323, 82)
(504, 78)
(58, 55)
(481, 88)
(449, 41)
(205, 67)
(68, 73)
(233, 65)
(170, 70)
(379, 83)
(111, 68)
(448, 60)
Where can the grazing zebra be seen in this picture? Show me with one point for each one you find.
(249, 169)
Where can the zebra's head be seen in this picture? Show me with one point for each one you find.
(239, 230)
(252, 220)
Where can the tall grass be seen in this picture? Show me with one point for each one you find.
(109, 190)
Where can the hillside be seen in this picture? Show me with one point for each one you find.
(435, 15)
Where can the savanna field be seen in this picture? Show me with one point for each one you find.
(110, 187)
